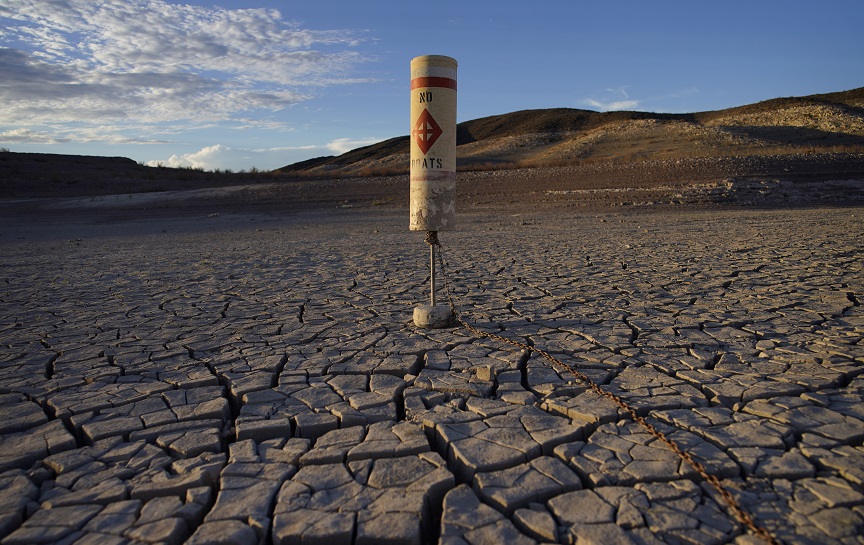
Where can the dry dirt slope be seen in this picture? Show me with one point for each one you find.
(745, 155)
(827, 123)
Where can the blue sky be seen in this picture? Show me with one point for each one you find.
(263, 83)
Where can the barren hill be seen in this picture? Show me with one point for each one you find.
(783, 152)
(29, 175)
(826, 123)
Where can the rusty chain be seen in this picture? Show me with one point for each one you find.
(737, 510)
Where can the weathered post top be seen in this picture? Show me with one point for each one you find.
(433, 143)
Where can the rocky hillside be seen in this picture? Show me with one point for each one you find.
(827, 123)
(553, 157)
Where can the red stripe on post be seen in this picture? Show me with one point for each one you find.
(447, 83)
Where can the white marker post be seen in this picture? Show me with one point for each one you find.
(433, 164)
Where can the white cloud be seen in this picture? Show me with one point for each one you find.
(614, 105)
(75, 134)
(618, 99)
(220, 156)
(342, 145)
(136, 63)
(285, 148)
(208, 158)
(28, 136)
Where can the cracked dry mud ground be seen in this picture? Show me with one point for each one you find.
(264, 383)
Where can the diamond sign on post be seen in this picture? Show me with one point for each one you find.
(426, 131)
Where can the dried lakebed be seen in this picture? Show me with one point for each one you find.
(263, 382)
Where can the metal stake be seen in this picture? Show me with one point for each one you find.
(432, 271)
